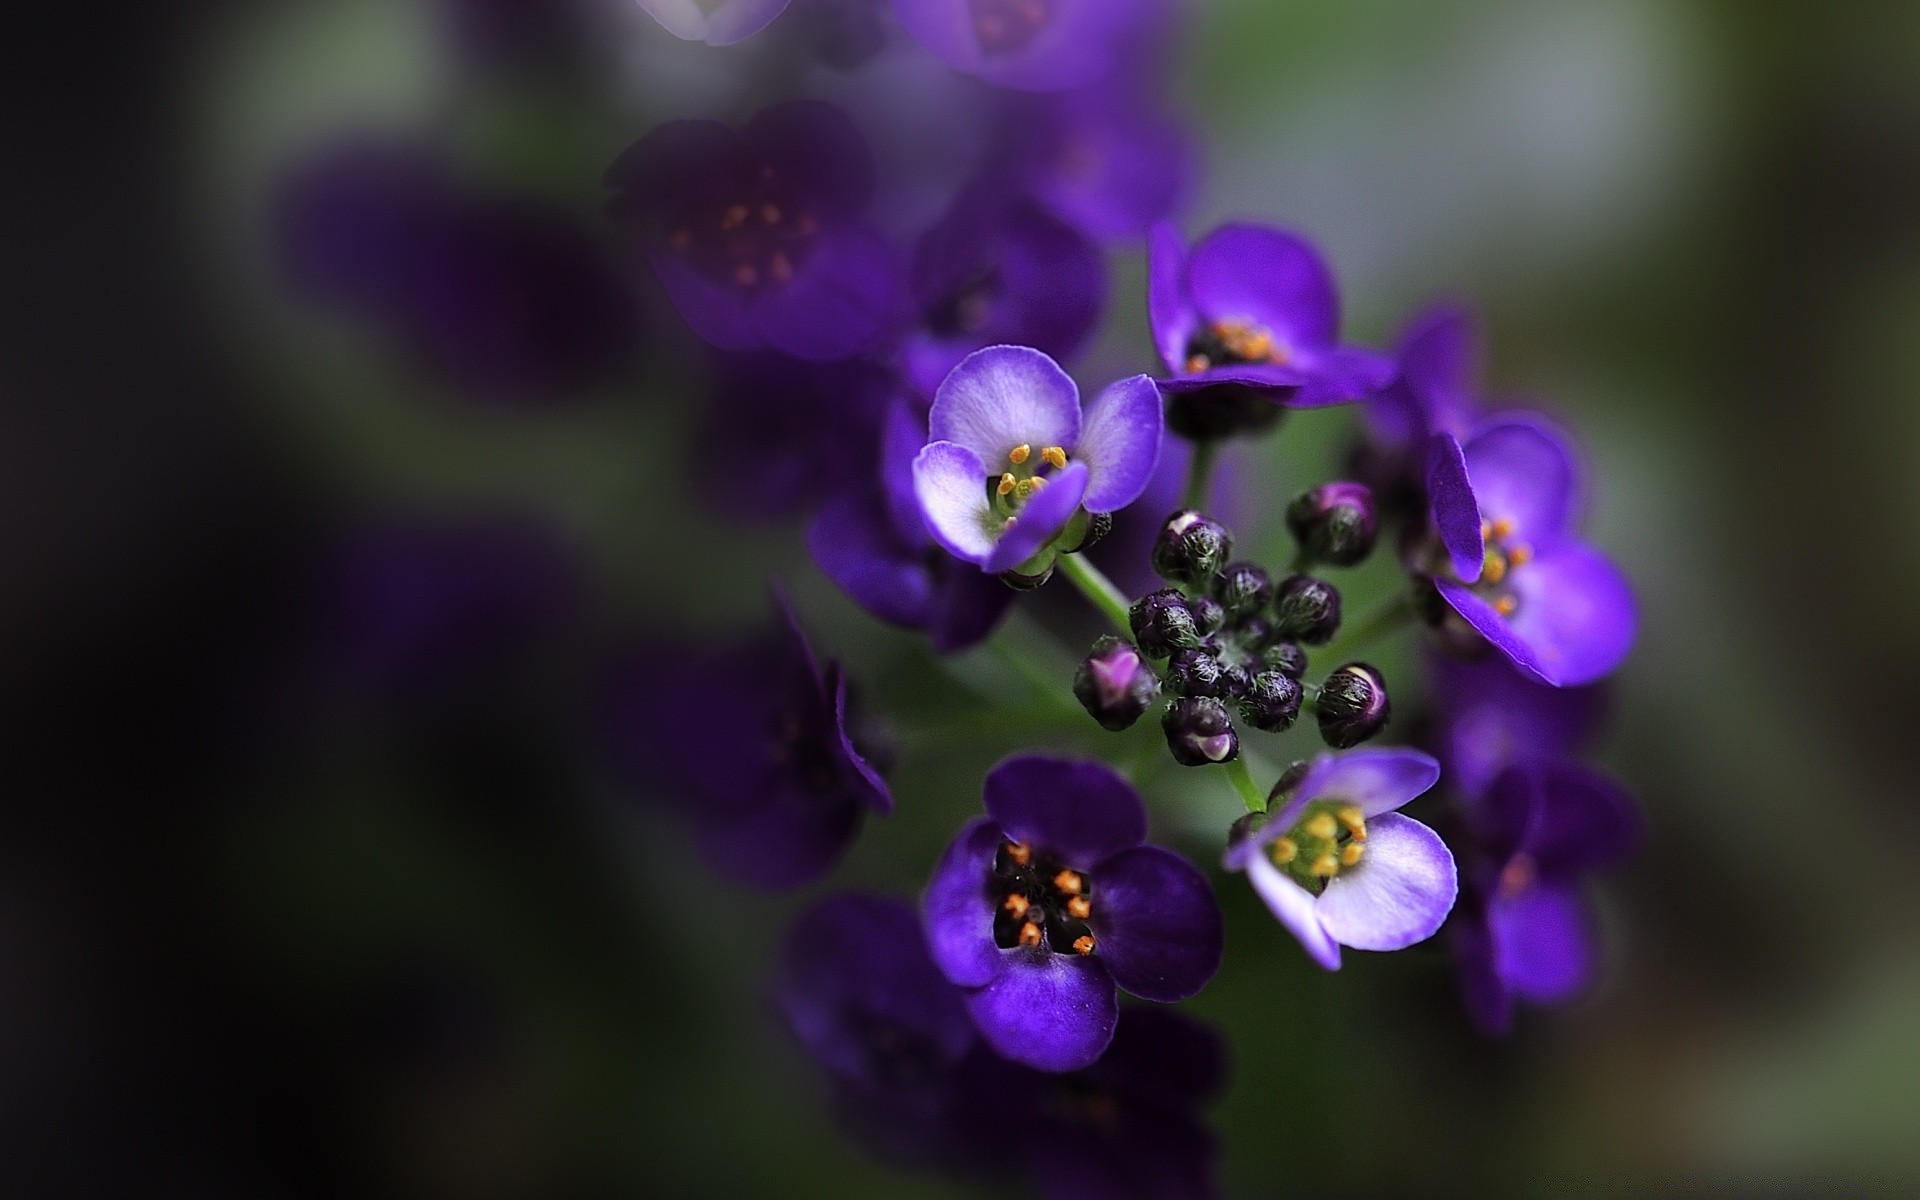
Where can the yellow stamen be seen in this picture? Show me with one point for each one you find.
(1079, 908)
(1016, 904)
(1500, 528)
(1019, 454)
(1284, 851)
(1321, 825)
(1054, 457)
(1505, 606)
(1493, 568)
(735, 217)
(1350, 853)
(1024, 488)
(1326, 866)
(1019, 852)
(1355, 820)
(770, 213)
(1069, 881)
(1198, 363)
(1519, 555)
(1029, 934)
(1083, 944)
(1006, 484)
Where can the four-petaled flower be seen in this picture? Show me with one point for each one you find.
(1013, 463)
(1339, 866)
(1038, 910)
(1504, 504)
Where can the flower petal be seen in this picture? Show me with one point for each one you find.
(1120, 443)
(1585, 821)
(967, 605)
(1525, 473)
(1044, 516)
(843, 301)
(1267, 277)
(1439, 364)
(902, 434)
(790, 835)
(1488, 622)
(951, 485)
(1487, 998)
(1169, 310)
(1155, 924)
(1052, 1012)
(956, 910)
(1082, 811)
(1338, 375)
(1543, 942)
(1379, 781)
(817, 152)
(1398, 894)
(1456, 513)
(1294, 907)
(855, 544)
(1577, 612)
(1006, 396)
(856, 773)
(715, 313)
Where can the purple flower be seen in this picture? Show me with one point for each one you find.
(796, 432)
(717, 24)
(1493, 717)
(1038, 910)
(1524, 929)
(758, 236)
(1340, 867)
(754, 742)
(1435, 388)
(998, 269)
(1504, 504)
(1254, 307)
(1106, 161)
(1013, 463)
(873, 543)
(1029, 45)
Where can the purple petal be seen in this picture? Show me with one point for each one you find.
(1577, 612)
(817, 151)
(1585, 821)
(1398, 894)
(678, 164)
(1379, 781)
(1155, 924)
(857, 774)
(1338, 375)
(1114, 167)
(1082, 811)
(1006, 396)
(716, 313)
(791, 835)
(1052, 1012)
(1041, 520)
(1523, 474)
(1543, 940)
(1120, 443)
(956, 910)
(1271, 278)
(902, 434)
(856, 546)
(845, 300)
(1169, 310)
(1488, 1001)
(1293, 905)
(1491, 625)
(1455, 511)
(950, 483)
(1074, 47)
(968, 604)
(1439, 364)
(1497, 716)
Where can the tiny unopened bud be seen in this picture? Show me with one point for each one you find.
(1285, 657)
(1208, 616)
(1271, 701)
(1114, 683)
(1199, 732)
(1198, 673)
(1098, 525)
(1353, 705)
(1243, 589)
(1307, 609)
(1162, 623)
(1191, 549)
(1335, 523)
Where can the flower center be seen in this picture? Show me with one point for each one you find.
(1019, 483)
(965, 309)
(1504, 556)
(1039, 902)
(756, 240)
(1330, 837)
(1233, 343)
(1008, 26)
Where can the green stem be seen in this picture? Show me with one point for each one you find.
(1098, 590)
(1385, 619)
(1250, 793)
(1206, 455)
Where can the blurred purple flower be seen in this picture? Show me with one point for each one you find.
(996, 270)
(1106, 160)
(759, 236)
(1505, 506)
(715, 22)
(795, 432)
(1003, 416)
(755, 744)
(873, 543)
(1339, 866)
(1524, 929)
(1029, 45)
(1040, 909)
(1492, 717)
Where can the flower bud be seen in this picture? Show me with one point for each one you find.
(1191, 549)
(1208, 616)
(1162, 623)
(1027, 583)
(1271, 701)
(1199, 732)
(1114, 683)
(1098, 526)
(1242, 589)
(1352, 705)
(1199, 673)
(1307, 609)
(1335, 523)
(1285, 657)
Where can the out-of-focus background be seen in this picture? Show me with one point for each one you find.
(308, 886)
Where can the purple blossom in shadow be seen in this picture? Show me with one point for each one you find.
(507, 297)
(1030, 45)
(1106, 160)
(1524, 930)
(717, 24)
(754, 743)
(1253, 310)
(1340, 866)
(1492, 717)
(1040, 910)
(998, 269)
(1436, 382)
(873, 543)
(759, 236)
(1505, 505)
(795, 432)
(1013, 462)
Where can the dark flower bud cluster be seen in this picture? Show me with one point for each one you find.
(1335, 523)
(1353, 705)
(1115, 684)
(1307, 609)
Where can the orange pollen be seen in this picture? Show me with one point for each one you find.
(1198, 363)
(1519, 555)
(1007, 483)
(1069, 882)
(745, 275)
(1016, 904)
(735, 217)
(1505, 606)
(1019, 454)
(1054, 457)
(770, 213)
(1083, 944)
(1019, 852)
(1494, 567)
(1079, 908)
(1498, 529)
(781, 268)
(1029, 934)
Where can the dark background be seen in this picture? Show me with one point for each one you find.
(263, 932)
